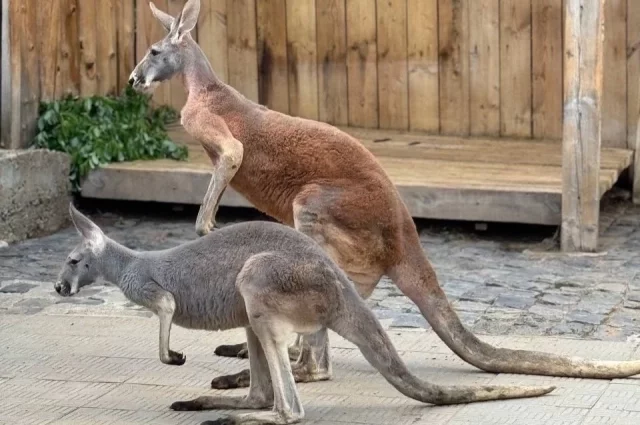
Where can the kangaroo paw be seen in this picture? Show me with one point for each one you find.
(176, 358)
(237, 350)
(226, 382)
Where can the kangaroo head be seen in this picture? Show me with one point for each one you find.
(167, 57)
(81, 266)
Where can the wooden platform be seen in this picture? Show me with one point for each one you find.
(438, 177)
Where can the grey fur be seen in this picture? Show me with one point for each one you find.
(273, 281)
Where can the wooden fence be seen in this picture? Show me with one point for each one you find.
(460, 67)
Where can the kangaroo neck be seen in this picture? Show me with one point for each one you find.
(116, 261)
(200, 79)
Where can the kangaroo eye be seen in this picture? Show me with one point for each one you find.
(73, 261)
(154, 52)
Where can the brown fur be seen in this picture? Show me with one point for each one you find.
(326, 184)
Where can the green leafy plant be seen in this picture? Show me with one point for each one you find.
(98, 130)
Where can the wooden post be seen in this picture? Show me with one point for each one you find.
(583, 57)
(5, 79)
(20, 72)
(635, 171)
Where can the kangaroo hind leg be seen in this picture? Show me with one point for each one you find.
(273, 318)
(260, 390)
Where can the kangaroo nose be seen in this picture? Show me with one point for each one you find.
(131, 81)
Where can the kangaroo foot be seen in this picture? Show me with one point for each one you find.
(217, 402)
(175, 359)
(237, 350)
(301, 373)
(309, 373)
(237, 380)
(240, 350)
(257, 418)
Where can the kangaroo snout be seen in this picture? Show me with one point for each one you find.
(134, 79)
(63, 288)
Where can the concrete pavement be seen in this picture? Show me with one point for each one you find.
(80, 368)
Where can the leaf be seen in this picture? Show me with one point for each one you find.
(100, 129)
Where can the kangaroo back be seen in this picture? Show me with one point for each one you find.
(359, 325)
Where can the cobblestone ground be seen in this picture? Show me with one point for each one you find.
(507, 280)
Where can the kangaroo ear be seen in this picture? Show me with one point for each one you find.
(165, 19)
(186, 20)
(87, 228)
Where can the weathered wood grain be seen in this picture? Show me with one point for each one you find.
(633, 92)
(393, 85)
(24, 72)
(332, 65)
(68, 80)
(422, 57)
(453, 29)
(87, 24)
(212, 36)
(362, 69)
(515, 68)
(273, 87)
(125, 21)
(546, 30)
(583, 83)
(5, 77)
(301, 57)
(484, 95)
(107, 45)
(243, 56)
(49, 21)
(614, 90)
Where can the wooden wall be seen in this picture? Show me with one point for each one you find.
(456, 67)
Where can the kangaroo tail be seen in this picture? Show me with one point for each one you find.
(416, 278)
(359, 325)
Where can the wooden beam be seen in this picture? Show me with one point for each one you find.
(635, 169)
(5, 79)
(20, 69)
(583, 64)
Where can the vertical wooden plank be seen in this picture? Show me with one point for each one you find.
(515, 68)
(614, 91)
(484, 64)
(243, 57)
(422, 57)
(633, 69)
(106, 46)
(125, 22)
(68, 79)
(49, 22)
(301, 56)
(633, 92)
(148, 32)
(362, 69)
(273, 87)
(212, 35)
(583, 83)
(177, 91)
(88, 47)
(5, 78)
(24, 72)
(393, 84)
(332, 66)
(546, 37)
(453, 27)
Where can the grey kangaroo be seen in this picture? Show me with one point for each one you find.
(273, 281)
